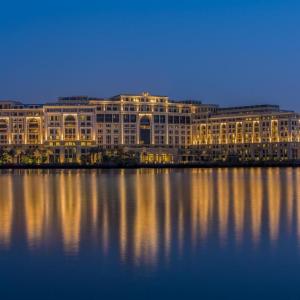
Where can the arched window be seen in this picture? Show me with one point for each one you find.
(32, 124)
(145, 130)
(145, 121)
(3, 124)
(70, 121)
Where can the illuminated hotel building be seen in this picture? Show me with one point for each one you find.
(260, 132)
(155, 128)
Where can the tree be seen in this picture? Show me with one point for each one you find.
(5, 157)
(37, 156)
(46, 155)
(26, 157)
(18, 155)
(12, 153)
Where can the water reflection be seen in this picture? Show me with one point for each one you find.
(35, 209)
(297, 192)
(148, 216)
(256, 203)
(273, 186)
(123, 216)
(70, 200)
(223, 203)
(145, 219)
(6, 211)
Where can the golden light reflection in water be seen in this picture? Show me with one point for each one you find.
(297, 195)
(105, 223)
(70, 211)
(6, 211)
(201, 204)
(123, 216)
(223, 203)
(35, 209)
(145, 219)
(273, 184)
(146, 214)
(238, 202)
(289, 187)
(256, 199)
(167, 215)
(180, 227)
(94, 199)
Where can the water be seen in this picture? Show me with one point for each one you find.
(150, 234)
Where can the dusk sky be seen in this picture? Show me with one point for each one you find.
(226, 52)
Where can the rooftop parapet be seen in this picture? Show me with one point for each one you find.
(12, 104)
(191, 102)
(250, 109)
(76, 99)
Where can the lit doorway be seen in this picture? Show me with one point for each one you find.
(145, 131)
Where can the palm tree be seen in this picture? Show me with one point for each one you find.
(18, 155)
(12, 153)
(37, 156)
(46, 156)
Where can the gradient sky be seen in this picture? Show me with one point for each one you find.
(227, 52)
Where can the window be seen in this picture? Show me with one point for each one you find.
(100, 118)
(129, 118)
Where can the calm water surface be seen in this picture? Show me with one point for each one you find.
(150, 234)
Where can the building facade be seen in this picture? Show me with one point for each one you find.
(261, 132)
(149, 128)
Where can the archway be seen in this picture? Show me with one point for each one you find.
(70, 121)
(145, 130)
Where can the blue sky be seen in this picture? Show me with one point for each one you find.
(226, 52)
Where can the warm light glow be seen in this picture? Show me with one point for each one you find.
(150, 215)
(70, 211)
(273, 185)
(238, 202)
(145, 225)
(35, 209)
(167, 214)
(123, 216)
(6, 211)
(223, 203)
(256, 193)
